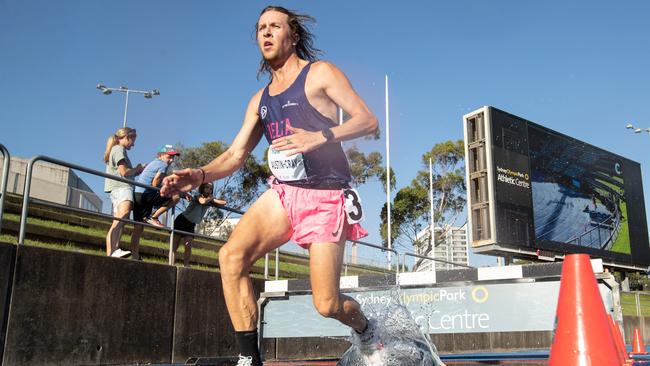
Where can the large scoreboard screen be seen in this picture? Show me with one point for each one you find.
(533, 190)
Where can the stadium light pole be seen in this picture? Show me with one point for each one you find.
(636, 129)
(123, 89)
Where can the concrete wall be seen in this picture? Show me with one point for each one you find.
(71, 308)
(7, 259)
(202, 326)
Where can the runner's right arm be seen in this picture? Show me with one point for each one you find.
(225, 164)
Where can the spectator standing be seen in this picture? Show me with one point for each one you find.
(118, 164)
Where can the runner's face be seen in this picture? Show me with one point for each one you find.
(274, 35)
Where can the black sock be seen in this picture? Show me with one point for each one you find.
(248, 345)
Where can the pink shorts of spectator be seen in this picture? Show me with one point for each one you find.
(316, 215)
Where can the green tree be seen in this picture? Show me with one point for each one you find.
(410, 211)
(364, 168)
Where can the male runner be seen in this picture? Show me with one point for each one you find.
(296, 113)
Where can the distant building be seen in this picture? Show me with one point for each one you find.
(217, 228)
(451, 246)
(53, 183)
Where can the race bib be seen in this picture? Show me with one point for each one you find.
(286, 168)
(353, 208)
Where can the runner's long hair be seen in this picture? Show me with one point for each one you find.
(114, 140)
(299, 26)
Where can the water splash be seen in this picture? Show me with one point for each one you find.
(404, 342)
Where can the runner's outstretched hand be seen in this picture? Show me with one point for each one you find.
(181, 181)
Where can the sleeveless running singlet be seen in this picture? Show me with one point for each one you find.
(326, 167)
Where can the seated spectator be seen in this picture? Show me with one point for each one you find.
(191, 217)
(146, 199)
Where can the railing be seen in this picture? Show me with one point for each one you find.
(41, 158)
(383, 250)
(433, 259)
(26, 198)
(5, 179)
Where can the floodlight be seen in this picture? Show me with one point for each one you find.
(147, 95)
(106, 91)
(101, 86)
(638, 130)
(156, 92)
(629, 126)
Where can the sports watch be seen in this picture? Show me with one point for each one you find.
(327, 133)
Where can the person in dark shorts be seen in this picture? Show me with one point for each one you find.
(146, 199)
(296, 112)
(191, 217)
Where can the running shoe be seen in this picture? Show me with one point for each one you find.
(245, 361)
(370, 344)
(153, 221)
(119, 253)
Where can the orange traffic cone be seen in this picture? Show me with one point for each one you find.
(583, 336)
(638, 347)
(620, 342)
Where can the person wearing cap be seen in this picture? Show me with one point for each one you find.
(146, 199)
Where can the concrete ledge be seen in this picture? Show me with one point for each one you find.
(71, 308)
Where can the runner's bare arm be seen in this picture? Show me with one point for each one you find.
(225, 164)
(334, 86)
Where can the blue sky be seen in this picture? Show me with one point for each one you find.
(579, 67)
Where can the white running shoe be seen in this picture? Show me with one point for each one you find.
(370, 344)
(245, 361)
(119, 253)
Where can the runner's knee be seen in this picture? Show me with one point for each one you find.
(329, 307)
(231, 261)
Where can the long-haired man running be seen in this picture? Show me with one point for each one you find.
(295, 112)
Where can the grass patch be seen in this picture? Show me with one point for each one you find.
(126, 239)
(628, 303)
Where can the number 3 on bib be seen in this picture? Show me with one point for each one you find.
(353, 208)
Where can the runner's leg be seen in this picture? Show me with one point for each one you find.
(325, 260)
(264, 227)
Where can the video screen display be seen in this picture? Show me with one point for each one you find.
(579, 195)
(556, 193)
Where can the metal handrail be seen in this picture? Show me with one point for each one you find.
(383, 249)
(407, 254)
(5, 179)
(110, 217)
(26, 199)
(28, 181)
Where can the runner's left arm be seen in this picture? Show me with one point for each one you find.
(335, 86)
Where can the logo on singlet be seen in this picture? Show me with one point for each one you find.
(289, 104)
(263, 111)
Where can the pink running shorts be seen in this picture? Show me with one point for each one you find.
(316, 215)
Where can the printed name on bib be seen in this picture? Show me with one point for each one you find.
(286, 168)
